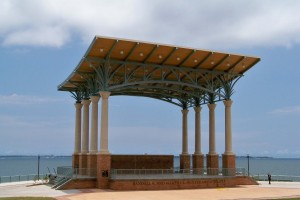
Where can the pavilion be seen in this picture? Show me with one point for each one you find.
(185, 77)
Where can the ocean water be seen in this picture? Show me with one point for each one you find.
(24, 165)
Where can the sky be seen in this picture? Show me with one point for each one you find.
(41, 42)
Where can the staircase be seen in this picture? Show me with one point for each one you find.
(64, 175)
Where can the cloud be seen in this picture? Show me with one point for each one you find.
(207, 24)
(16, 99)
(287, 110)
(41, 36)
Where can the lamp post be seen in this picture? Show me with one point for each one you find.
(38, 167)
(248, 163)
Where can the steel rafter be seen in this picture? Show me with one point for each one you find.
(149, 77)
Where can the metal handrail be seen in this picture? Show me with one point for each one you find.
(20, 178)
(264, 177)
(70, 172)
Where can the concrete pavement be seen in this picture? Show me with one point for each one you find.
(29, 188)
(262, 191)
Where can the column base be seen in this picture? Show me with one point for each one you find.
(82, 163)
(212, 162)
(92, 164)
(75, 160)
(198, 163)
(103, 170)
(228, 165)
(185, 160)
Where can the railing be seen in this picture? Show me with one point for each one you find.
(76, 172)
(173, 173)
(65, 174)
(19, 178)
(286, 178)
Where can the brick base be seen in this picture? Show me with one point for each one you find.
(185, 160)
(80, 184)
(75, 160)
(198, 164)
(180, 183)
(163, 184)
(212, 162)
(198, 161)
(103, 170)
(228, 163)
(83, 163)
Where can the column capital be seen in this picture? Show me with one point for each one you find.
(78, 105)
(185, 111)
(95, 99)
(198, 109)
(228, 103)
(211, 106)
(86, 102)
(104, 94)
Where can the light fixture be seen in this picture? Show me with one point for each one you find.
(212, 62)
(159, 56)
(141, 54)
(101, 50)
(228, 64)
(195, 61)
(178, 58)
(121, 52)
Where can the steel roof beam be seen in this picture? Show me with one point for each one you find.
(131, 51)
(159, 66)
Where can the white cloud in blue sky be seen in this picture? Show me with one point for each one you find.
(41, 42)
(215, 23)
(16, 99)
(287, 110)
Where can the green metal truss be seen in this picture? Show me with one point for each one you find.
(178, 85)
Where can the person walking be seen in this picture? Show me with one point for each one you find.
(269, 178)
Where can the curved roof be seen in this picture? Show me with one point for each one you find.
(128, 67)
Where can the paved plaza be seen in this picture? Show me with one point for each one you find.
(262, 191)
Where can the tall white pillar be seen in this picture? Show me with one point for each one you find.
(228, 131)
(94, 125)
(197, 130)
(212, 133)
(77, 146)
(85, 128)
(185, 131)
(104, 123)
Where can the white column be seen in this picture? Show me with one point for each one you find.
(104, 123)
(212, 133)
(94, 125)
(185, 131)
(197, 130)
(85, 128)
(77, 146)
(228, 131)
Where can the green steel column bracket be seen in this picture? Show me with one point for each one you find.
(77, 95)
(85, 91)
(227, 84)
(93, 85)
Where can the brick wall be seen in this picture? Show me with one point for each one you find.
(80, 184)
(168, 184)
(142, 161)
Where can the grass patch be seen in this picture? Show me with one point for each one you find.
(27, 198)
